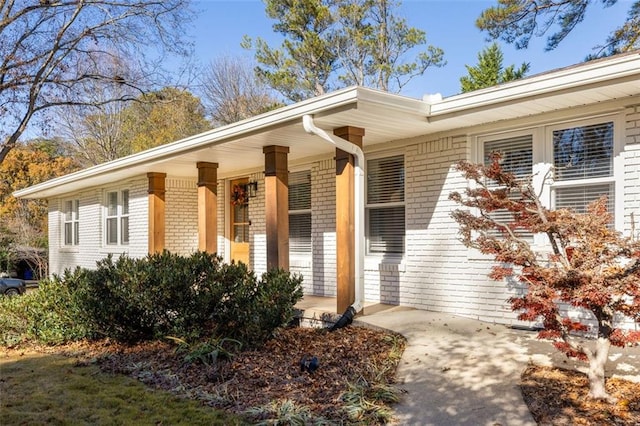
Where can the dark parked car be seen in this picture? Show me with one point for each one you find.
(12, 286)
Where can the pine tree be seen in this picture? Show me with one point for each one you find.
(489, 70)
(516, 21)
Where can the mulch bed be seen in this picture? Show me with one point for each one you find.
(559, 397)
(353, 354)
(259, 377)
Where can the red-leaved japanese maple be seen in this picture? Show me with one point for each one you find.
(586, 263)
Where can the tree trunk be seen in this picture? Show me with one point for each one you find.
(597, 361)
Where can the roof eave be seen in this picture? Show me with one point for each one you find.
(351, 96)
(596, 72)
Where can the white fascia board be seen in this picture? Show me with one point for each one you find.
(393, 101)
(209, 138)
(599, 71)
(291, 113)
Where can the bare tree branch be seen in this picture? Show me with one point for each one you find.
(50, 51)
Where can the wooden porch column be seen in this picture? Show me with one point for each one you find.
(207, 207)
(156, 225)
(276, 203)
(345, 219)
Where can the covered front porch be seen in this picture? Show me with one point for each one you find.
(243, 184)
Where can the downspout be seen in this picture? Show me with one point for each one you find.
(358, 200)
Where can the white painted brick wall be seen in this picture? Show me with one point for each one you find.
(92, 247)
(323, 227)
(437, 272)
(181, 215)
(631, 157)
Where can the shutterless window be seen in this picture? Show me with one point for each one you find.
(72, 222)
(583, 165)
(300, 212)
(117, 217)
(385, 207)
(517, 158)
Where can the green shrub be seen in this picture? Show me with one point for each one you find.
(162, 294)
(49, 315)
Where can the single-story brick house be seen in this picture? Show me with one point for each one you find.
(286, 188)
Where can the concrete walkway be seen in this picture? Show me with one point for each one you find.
(459, 371)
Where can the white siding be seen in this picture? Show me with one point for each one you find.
(631, 160)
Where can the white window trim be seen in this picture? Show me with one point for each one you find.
(542, 138)
(75, 220)
(617, 176)
(384, 258)
(119, 215)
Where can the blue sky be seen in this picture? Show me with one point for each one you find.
(449, 24)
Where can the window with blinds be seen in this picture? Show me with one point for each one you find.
(578, 198)
(517, 154)
(583, 159)
(385, 205)
(583, 152)
(300, 212)
(517, 158)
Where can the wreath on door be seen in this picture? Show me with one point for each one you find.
(239, 195)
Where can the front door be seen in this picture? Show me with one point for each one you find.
(239, 197)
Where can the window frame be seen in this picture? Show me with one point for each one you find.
(301, 212)
(71, 219)
(369, 207)
(543, 159)
(617, 166)
(120, 217)
(483, 157)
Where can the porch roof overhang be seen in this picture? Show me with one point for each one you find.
(237, 148)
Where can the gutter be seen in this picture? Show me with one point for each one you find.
(358, 190)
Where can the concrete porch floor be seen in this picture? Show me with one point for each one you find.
(319, 305)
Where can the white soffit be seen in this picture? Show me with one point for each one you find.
(589, 83)
(238, 147)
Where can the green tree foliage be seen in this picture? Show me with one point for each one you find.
(516, 21)
(374, 42)
(333, 43)
(163, 116)
(51, 50)
(302, 67)
(489, 71)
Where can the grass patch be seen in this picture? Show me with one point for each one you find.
(49, 388)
